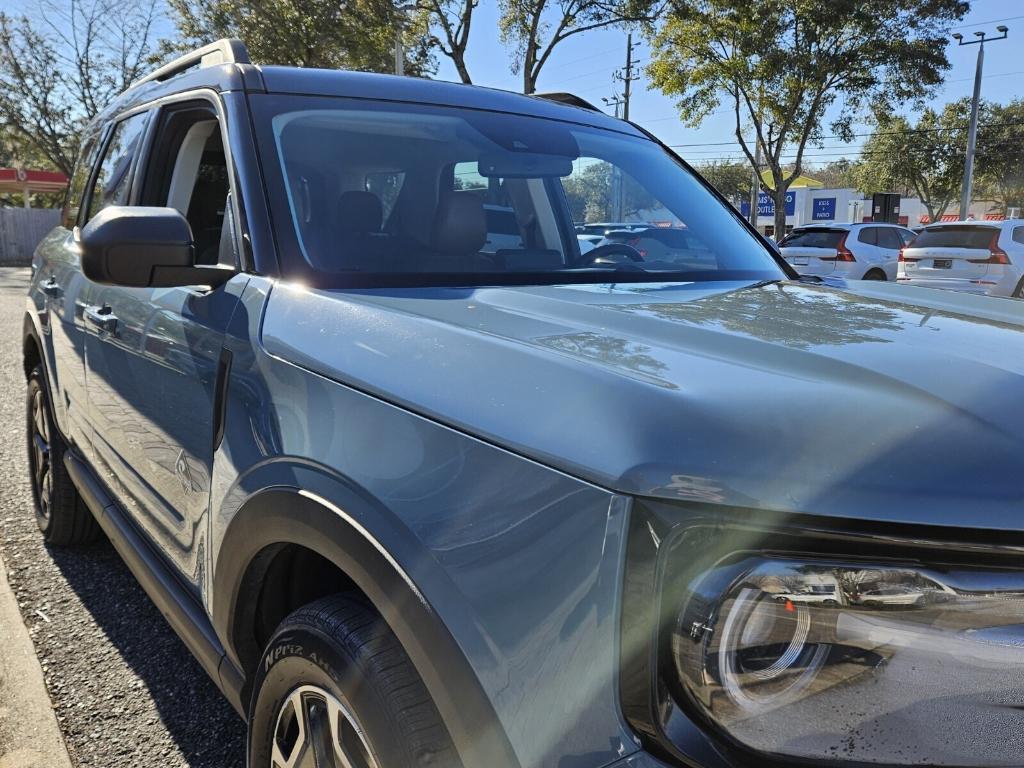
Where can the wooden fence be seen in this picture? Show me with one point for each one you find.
(21, 229)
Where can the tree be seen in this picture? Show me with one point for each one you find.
(837, 174)
(926, 159)
(57, 72)
(350, 34)
(593, 194)
(780, 64)
(730, 178)
(1000, 156)
(455, 18)
(534, 28)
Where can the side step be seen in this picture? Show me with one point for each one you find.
(178, 606)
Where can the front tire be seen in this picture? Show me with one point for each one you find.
(61, 514)
(334, 679)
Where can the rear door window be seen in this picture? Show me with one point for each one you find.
(868, 235)
(955, 237)
(887, 238)
(1018, 235)
(113, 177)
(813, 238)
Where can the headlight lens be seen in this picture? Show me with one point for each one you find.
(857, 662)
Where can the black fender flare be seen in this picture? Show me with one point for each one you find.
(289, 515)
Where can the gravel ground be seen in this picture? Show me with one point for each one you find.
(125, 689)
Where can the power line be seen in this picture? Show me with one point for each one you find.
(985, 23)
(908, 132)
(730, 109)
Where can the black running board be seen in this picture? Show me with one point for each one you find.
(178, 606)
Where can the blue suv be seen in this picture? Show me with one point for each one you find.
(416, 493)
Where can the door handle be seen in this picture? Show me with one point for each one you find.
(51, 288)
(100, 318)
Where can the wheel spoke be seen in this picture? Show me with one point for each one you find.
(320, 733)
(316, 730)
(291, 726)
(348, 739)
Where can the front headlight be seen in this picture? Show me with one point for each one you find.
(833, 660)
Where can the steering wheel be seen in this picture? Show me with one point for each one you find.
(603, 254)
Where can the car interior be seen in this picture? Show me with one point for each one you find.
(369, 193)
(187, 170)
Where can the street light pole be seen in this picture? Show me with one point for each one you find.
(972, 131)
(400, 18)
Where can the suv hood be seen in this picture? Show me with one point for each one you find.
(879, 402)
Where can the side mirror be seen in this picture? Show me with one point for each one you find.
(142, 247)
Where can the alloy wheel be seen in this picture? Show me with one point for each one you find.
(314, 729)
(39, 451)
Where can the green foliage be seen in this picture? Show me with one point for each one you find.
(732, 179)
(780, 64)
(532, 29)
(1000, 155)
(351, 34)
(837, 174)
(926, 159)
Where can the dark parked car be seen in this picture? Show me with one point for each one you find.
(412, 501)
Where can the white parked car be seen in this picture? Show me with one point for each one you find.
(815, 594)
(973, 256)
(852, 251)
(893, 595)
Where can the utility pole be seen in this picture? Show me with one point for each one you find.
(755, 183)
(400, 18)
(627, 75)
(972, 132)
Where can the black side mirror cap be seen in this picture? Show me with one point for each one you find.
(141, 247)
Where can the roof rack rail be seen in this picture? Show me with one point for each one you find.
(571, 99)
(226, 51)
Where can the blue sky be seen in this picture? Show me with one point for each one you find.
(584, 65)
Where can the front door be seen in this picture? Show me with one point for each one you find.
(154, 354)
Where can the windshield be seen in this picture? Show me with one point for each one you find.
(375, 193)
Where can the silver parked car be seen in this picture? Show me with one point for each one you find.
(851, 251)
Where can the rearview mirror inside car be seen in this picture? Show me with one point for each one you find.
(139, 247)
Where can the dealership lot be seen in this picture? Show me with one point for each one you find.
(125, 690)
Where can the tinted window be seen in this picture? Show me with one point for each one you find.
(869, 235)
(887, 238)
(906, 236)
(955, 237)
(813, 238)
(483, 195)
(1018, 235)
(80, 178)
(114, 175)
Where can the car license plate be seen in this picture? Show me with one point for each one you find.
(800, 261)
(943, 263)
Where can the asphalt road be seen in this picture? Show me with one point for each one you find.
(125, 690)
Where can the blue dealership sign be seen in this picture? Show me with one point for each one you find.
(824, 209)
(766, 205)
